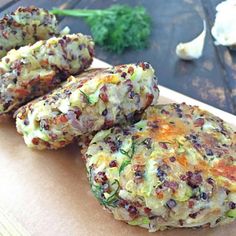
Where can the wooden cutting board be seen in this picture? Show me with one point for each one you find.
(46, 193)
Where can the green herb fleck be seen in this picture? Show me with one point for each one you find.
(86, 96)
(180, 147)
(143, 220)
(231, 213)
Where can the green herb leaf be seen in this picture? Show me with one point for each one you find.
(111, 200)
(116, 28)
(125, 153)
(131, 151)
(129, 154)
(113, 197)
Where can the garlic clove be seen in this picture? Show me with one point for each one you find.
(193, 49)
(224, 28)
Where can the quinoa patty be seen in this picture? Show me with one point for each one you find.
(32, 71)
(96, 99)
(174, 168)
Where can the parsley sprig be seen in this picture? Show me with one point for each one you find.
(116, 28)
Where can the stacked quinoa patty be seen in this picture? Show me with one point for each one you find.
(32, 71)
(94, 100)
(25, 26)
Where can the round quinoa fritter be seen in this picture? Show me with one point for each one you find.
(34, 70)
(96, 99)
(174, 168)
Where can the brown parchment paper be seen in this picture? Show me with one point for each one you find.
(48, 193)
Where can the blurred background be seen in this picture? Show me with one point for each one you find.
(210, 79)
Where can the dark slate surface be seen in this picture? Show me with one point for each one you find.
(226, 56)
(211, 79)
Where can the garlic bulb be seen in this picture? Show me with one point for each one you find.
(224, 28)
(193, 49)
